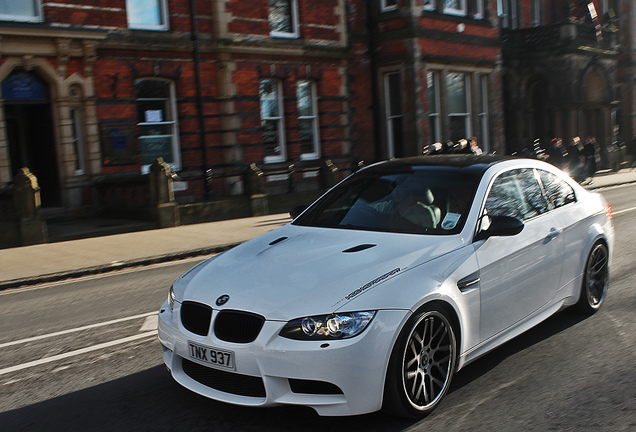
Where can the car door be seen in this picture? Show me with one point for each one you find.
(518, 274)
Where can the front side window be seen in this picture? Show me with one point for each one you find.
(272, 125)
(156, 122)
(147, 14)
(558, 191)
(307, 119)
(516, 193)
(458, 106)
(283, 18)
(21, 10)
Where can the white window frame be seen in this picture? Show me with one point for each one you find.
(163, 5)
(507, 12)
(38, 17)
(466, 115)
(389, 116)
(295, 33)
(453, 11)
(77, 135)
(429, 5)
(435, 116)
(386, 7)
(313, 117)
(479, 12)
(172, 107)
(483, 114)
(280, 122)
(535, 6)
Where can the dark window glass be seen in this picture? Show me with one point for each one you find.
(429, 200)
(516, 193)
(558, 191)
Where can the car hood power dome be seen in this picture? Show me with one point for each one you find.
(309, 271)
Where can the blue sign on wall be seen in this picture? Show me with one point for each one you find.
(23, 85)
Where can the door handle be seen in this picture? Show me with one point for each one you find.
(554, 232)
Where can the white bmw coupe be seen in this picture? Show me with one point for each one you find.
(375, 295)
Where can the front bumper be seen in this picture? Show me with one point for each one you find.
(340, 377)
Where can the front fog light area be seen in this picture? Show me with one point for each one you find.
(328, 327)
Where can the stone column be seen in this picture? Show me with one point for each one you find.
(327, 174)
(162, 199)
(26, 198)
(255, 189)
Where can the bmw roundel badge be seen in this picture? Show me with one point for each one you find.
(222, 300)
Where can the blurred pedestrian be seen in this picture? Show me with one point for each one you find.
(462, 147)
(576, 161)
(557, 154)
(590, 151)
(433, 149)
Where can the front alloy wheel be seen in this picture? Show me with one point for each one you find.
(595, 279)
(421, 368)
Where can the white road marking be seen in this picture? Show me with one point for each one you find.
(63, 332)
(150, 323)
(77, 352)
(623, 211)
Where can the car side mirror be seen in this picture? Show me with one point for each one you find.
(499, 226)
(296, 211)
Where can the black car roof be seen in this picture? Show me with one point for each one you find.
(473, 163)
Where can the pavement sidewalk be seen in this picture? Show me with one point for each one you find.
(29, 265)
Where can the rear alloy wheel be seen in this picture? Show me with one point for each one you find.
(595, 279)
(422, 365)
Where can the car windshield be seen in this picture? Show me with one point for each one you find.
(422, 200)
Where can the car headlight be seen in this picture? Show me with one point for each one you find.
(328, 327)
(171, 297)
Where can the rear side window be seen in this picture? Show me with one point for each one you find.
(558, 191)
(516, 193)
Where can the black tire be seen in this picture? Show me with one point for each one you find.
(595, 280)
(422, 364)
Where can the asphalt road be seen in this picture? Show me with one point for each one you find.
(82, 355)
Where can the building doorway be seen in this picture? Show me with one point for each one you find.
(30, 133)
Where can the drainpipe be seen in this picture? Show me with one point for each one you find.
(197, 78)
(377, 117)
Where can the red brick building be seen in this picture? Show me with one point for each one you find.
(94, 90)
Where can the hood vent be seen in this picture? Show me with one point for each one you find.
(359, 248)
(278, 241)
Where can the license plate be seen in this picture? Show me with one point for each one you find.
(212, 356)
